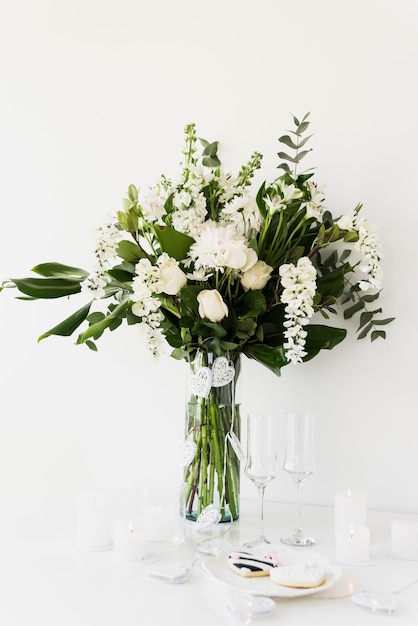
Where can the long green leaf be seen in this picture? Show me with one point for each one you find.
(69, 325)
(47, 287)
(58, 270)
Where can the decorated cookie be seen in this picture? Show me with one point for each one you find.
(299, 575)
(248, 565)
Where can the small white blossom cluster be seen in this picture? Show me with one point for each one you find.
(286, 194)
(107, 239)
(315, 206)
(299, 287)
(243, 213)
(368, 246)
(146, 306)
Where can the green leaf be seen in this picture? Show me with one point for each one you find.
(370, 297)
(272, 357)
(58, 270)
(91, 345)
(211, 161)
(353, 309)
(174, 243)
(129, 251)
(288, 141)
(388, 320)
(287, 157)
(47, 287)
(96, 330)
(321, 337)
(69, 325)
(376, 334)
(365, 331)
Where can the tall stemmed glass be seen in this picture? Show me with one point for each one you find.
(261, 460)
(299, 463)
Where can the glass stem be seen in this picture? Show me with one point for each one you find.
(298, 528)
(261, 490)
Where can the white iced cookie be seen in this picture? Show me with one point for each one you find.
(299, 575)
(250, 566)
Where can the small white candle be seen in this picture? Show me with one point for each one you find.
(160, 523)
(350, 507)
(130, 543)
(404, 539)
(352, 544)
(93, 521)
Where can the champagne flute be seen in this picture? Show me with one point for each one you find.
(299, 463)
(261, 460)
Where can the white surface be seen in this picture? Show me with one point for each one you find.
(45, 580)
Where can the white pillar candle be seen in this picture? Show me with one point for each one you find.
(352, 544)
(404, 539)
(93, 521)
(130, 543)
(349, 508)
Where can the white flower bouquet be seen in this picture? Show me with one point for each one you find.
(201, 263)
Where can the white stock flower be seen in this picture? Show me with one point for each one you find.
(299, 287)
(211, 305)
(256, 276)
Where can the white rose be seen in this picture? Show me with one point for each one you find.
(252, 259)
(257, 276)
(171, 279)
(235, 256)
(211, 305)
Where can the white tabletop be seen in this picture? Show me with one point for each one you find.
(46, 580)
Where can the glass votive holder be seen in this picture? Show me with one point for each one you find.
(160, 506)
(94, 530)
(404, 539)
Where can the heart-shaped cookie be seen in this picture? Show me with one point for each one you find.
(222, 372)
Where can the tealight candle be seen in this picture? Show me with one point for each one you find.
(404, 539)
(93, 521)
(352, 544)
(130, 543)
(349, 508)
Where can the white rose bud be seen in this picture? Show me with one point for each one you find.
(211, 305)
(172, 278)
(257, 276)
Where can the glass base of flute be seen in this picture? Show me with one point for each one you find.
(298, 537)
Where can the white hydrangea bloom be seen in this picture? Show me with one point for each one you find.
(188, 220)
(299, 287)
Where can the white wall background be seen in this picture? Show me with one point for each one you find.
(94, 95)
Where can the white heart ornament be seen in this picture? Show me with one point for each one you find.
(222, 372)
(210, 516)
(201, 383)
(185, 452)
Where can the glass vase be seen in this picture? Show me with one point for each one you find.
(213, 427)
